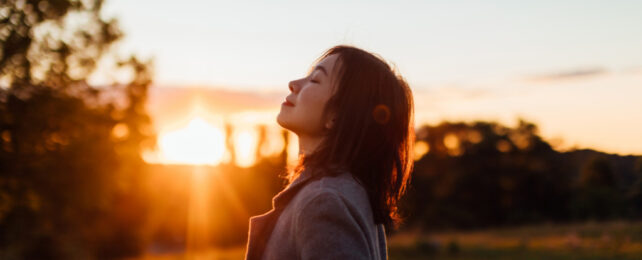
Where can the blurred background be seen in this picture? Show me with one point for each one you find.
(146, 129)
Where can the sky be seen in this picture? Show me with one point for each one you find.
(572, 67)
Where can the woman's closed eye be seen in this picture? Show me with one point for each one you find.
(314, 78)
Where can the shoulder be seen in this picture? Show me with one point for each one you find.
(341, 195)
(341, 186)
(333, 220)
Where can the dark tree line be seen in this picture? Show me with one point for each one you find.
(484, 174)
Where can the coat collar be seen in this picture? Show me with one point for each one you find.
(308, 174)
(261, 226)
(282, 198)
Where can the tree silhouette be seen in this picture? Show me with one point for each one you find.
(598, 172)
(482, 173)
(597, 196)
(70, 156)
(635, 194)
(260, 142)
(229, 143)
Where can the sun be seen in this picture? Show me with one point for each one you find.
(197, 143)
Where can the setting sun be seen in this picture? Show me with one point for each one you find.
(198, 143)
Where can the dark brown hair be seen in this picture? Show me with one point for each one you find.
(372, 133)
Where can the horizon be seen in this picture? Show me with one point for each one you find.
(174, 108)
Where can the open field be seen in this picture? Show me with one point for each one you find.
(610, 240)
(237, 253)
(585, 241)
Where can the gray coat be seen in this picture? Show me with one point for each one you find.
(327, 218)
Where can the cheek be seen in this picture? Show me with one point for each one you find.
(312, 103)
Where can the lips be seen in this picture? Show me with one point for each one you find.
(288, 103)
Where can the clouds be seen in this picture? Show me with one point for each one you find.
(578, 73)
(434, 100)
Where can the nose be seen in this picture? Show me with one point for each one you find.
(294, 86)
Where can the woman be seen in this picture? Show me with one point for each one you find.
(353, 117)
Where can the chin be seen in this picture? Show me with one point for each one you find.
(283, 121)
(280, 120)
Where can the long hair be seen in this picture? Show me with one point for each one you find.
(373, 130)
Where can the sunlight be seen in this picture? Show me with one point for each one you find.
(198, 222)
(198, 143)
(245, 147)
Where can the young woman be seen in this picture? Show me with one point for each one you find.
(353, 116)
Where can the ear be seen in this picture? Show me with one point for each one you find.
(330, 122)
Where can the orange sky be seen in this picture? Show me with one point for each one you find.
(590, 110)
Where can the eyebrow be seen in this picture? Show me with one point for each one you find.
(321, 68)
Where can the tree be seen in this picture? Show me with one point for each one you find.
(484, 174)
(70, 164)
(635, 193)
(598, 172)
(597, 196)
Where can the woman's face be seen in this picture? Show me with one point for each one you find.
(302, 110)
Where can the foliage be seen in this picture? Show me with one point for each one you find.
(70, 151)
(484, 174)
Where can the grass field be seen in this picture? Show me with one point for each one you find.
(586, 241)
(610, 240)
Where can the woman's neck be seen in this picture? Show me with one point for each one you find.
(308, 144)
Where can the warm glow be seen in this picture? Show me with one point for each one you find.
(421, 148)
(451, 141)
(198, 222)
(293, 149)
(245, 147)
(197, 143)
